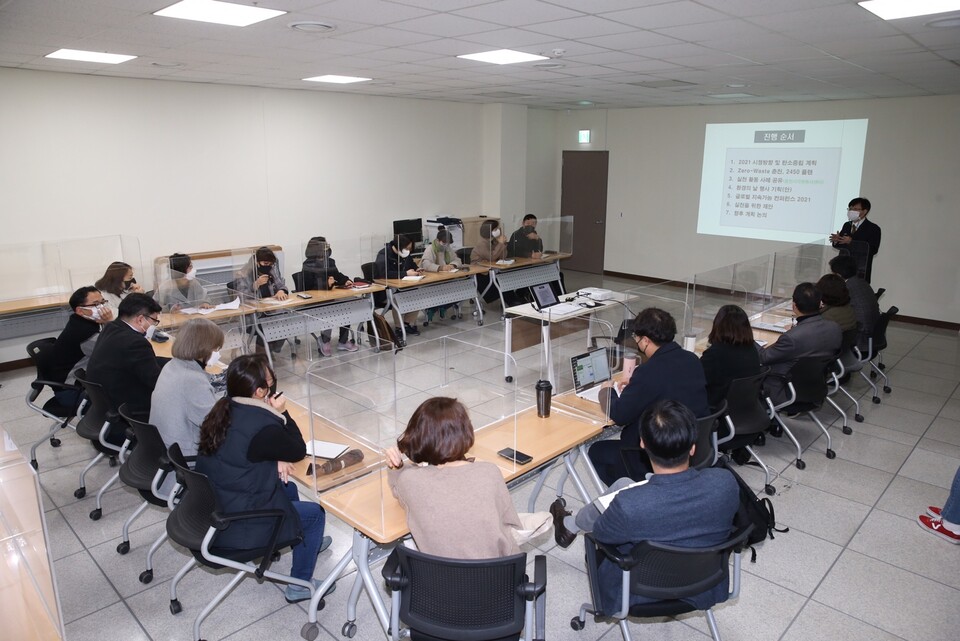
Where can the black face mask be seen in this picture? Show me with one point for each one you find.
(273, 388)
(128, 283)
(264, 270)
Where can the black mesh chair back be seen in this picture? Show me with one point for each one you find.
(880, 330)
(99, 409)
(379, 298)
(745, 405)
(143, 462)
(464, 254)
(189, 521)
(809, 378)
(706, 427)
(462, 600)
(298, 281)
(39, 351)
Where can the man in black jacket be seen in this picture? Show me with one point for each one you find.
(76, 342)
(525, 243)
(858, 235)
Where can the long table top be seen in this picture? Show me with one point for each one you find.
(526, 262)
(432, 277)
(33, 303)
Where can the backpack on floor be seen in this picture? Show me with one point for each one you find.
(388, 338)
(752, 510)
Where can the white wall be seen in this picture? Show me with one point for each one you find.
(911, 174)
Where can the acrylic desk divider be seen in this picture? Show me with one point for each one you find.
(86, 259)
(585, 351)
(29, 602)
(798, 264)
(669, 296)
(745, 284)
(203, 299)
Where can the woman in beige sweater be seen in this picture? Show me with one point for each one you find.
(456, 507)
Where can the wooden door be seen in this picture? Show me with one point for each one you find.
(583, 195)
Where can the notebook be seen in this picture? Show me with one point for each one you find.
(589, 371)
(325, 449)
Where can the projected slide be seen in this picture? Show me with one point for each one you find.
(788, 181)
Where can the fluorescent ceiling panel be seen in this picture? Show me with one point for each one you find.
(228, 13)
(503, 57)
(90, 56)
(338, 80)
(894, 9)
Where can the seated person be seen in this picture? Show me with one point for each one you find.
(456, 507)
(812, 336)
(863, 300)
(182, 290)
(394, 261)
(123, 361)
(261, 276)
(732, 353)
(438, 257)
(184, 393)
(490, 249)
(117, 281)
(75, 344)
(248, 438)
(320, 272)
(525, 243)
(835, 302)
(678, 505)
(667, 372)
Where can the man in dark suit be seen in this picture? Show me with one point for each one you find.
(525, 243)
(123, 361)
(812, 336)
(667, 372)
(859, 236)
(863, 300)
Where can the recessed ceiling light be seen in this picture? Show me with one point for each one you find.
(89, 56)
(312, 26)
(730, 95)
(166, 65)
(228, 13)
(584, 103)
(894, 9)
(549, 65)
(503, 57)
(737, 85)
(338, 80)
(661, 84)
(944, 23)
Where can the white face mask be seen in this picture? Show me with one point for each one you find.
(214, 359)
(853, 215)
(190, 275)
(151, 331)
(96, 312)
(404, 253)
(495, 233)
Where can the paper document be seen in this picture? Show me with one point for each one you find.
(325, 449)
(361, 286)
(505, 261)
(234, 304)
(272, 301)
(603, 501)
(412, 278)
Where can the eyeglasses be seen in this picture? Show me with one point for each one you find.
(156, 321)
(96, 303)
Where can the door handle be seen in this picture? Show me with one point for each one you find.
(598, 222)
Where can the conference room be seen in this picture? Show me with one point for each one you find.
(226, 154)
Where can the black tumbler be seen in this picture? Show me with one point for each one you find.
(544, 392)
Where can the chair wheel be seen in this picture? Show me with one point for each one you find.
(801, 464)
(858, 418)
(146, 576)
(509, 379)
(309, 631)
(54, 441)
(881, 366)
(34, 464)
(876, 400)
(831, 454)
(96, 514)
(479, 322)
(175, 607)
(123, 547)
(577, 624)
(886, 389)
(80, 493)
(847, 429)
(769, 489)
(349, 629)
(873, 374)
(113, 461)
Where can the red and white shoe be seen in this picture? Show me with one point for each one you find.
(934, 511)
(935, 526)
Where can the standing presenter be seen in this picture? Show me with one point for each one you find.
(859, 236)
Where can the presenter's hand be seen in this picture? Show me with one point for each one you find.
(844, 240)
(282, 295)
(394, 458)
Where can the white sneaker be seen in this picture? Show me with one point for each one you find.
(349, 346)
(325, 349)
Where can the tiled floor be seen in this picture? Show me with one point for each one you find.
(854, 567)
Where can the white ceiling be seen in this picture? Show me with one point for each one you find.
(775, 50)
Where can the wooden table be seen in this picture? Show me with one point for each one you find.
(33, 304)
(435, 289)
(367, 504)
(523, 273)
(33, 315)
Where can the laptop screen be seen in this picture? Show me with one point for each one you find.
(543, 296)
(590, 368)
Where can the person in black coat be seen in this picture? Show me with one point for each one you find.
(248, 443)
(320, 272)
(394, 261)
(732, 353)
(668, 372)
(525, 243)
(123, 361)
(859, 235)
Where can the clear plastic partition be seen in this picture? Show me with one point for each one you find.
(86, 259)
(668, 296)
(585, 354)
(745, 284)
(547, 234)
(185, 299)
(32, 270)
(556, 234)
(326, 262)
(799, 264)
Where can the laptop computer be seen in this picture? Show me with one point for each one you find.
(589, 371)
(544, 299)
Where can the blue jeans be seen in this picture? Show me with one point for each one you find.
(951, 509)
(312, 520)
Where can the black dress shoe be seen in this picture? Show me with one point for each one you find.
(761, 440)
(561, 534)
(740, 456)
(775, 430)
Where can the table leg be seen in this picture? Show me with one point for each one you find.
(592, 471)
(507, 348)
(361, 557)
(541, 478)
(327, 582)
(568, 460)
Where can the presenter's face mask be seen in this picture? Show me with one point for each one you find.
(853, 215)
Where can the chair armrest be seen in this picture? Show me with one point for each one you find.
(623, 561)
(54, 385)
(392, 575)
(130, 435)
(221, 521)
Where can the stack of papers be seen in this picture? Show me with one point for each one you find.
(505, 261)
(412, 278)
(234, 304)
(325, 449)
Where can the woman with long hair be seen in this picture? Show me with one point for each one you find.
(117, 281)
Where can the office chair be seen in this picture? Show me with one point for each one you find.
(807, 384)
(194, 523)
(298, 281)
(637, 464)
(99, 422)
(465, 600)
(464, 254)
(379, 298)
(746, 416)
(878, 343)
(665, 572)
(144, 470)
(847, 362)
(52, 409)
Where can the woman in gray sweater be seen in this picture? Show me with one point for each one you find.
(456, 507)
